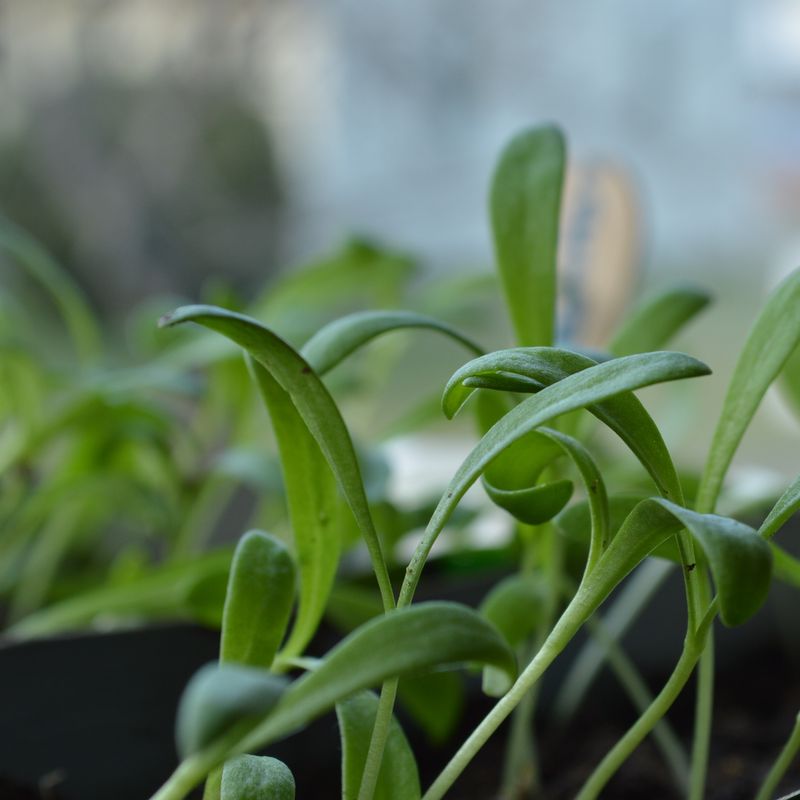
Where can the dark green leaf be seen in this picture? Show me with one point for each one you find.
(775, 334)
(398, 778)
(434, 700)
(315, 508)
(257, 778)
(525, 204)
(259, 600)
(314, 404)
(337, 340)
(657, 319)
(221, 697)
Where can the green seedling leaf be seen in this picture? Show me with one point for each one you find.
(434, 700)
(314, 405)
(514, 606)
(398, 778)
(337, 340)
(787, 505)
(259, 600)
(400, 642)
(315, 508)
(574, 381)
(534, 505)
(740, 560)
(525, 205)
(221, 697)
(787, 567)
(657, 319)
(790, 381)
(257, 778)
(775, 334)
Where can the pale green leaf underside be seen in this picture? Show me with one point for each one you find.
(337, 340)
(525, 204)
(775, 334)
(257, 778)
(398, 778)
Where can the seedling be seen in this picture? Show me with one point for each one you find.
(530, 452)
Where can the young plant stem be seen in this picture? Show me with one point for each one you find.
(566, 627)
(704, 701)
(781, 765)
(377, 744)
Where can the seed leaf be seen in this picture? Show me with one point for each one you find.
(787, 567)
(337, 340)
(574, 381)
(525, 204)
(740, 560)
(314, 404)
(398, 778)
(657, 319)
(257, 778)
(787, 505)
(514, 606)
(220, 697)
(315, 508)
(773, 337)
(259, 600)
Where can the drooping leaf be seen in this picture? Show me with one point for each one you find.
(740, 560)
(315, 406)
(220, 698)
(315, 509)
(337, 340)
(657, 319)
(398, 778)
(582, 383)
(400, 642)
(525, 205)
(773, 337)
(258, 602)
(787, 505)
(257, 778)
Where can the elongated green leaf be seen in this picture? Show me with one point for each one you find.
(315, 510)
(740, 560)
(771, 341)
(657, 319)
(398, 778)
(314, 404)
(78, 317)
(787, 505)
(194, 590)
(257, 778)
(525, 204)
(583, 385)
(222, 697)
(400, 642)
(337, 340)
(259, 600)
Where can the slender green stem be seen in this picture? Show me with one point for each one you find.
(567, 626)
(377, 744)
(781, 765)
(187, 775)
(521, 765)
(704, 702)
(646, 722)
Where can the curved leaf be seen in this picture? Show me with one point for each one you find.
(740, 560)
(337, 340)
(534, 505)
(400, 642)
(258, 602)
(775, 334)
(525, 205)
(583, 378)
(787, 505)
(314, 404)
(315, 508)
(398, 778)
(222, 697)
(657, 319)
(257, 778)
